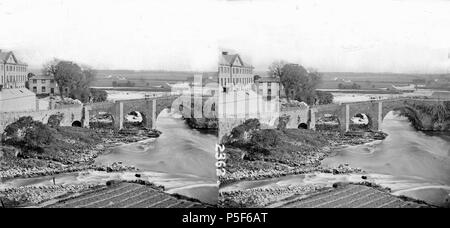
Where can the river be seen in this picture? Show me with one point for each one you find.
(410, 162)
(183, 155)
(181, 159)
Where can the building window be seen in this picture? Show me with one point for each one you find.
(52, 90)
(34, 81)
(43, 89)
(43, 81)
(34, 89)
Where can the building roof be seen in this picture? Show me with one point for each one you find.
(267, 79)
(229, 60)
(39, 77)
(10, 94)
(4, 56)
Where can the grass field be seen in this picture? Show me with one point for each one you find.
(105, 78)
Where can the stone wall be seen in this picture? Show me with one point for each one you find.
(296, 117)
(71, 114)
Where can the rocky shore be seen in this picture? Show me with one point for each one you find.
(279, 171)
(202, 123)
(263, 197)
(13, 166)
(301, 162)
(33, 195)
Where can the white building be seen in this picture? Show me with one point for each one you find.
(43, 84)
(13, 73)
(268, 87)
(14, 97)
(234, 74)
(17, 100)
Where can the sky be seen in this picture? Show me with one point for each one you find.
(340, 36)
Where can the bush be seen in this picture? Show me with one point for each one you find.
(239, 132)
(324, 97)
(14, 133)
(265, 138)
(37, 136)
(98, 95)
(27, 133)
(282, 122)
(55, 120)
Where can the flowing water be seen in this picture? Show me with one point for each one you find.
(181, 153)
(181, 159)
(410, 162)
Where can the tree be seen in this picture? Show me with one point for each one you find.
(299, 84)
(276, 68)
(98, 95)
(27, 133)
(29, 76)
(290, 79)
(323, 97)
(70, 75)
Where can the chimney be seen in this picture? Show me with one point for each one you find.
(224, 53)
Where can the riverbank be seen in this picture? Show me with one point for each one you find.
(262, 154)
(74, 150)
(76, 155)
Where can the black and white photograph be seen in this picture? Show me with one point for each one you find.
(224, 104)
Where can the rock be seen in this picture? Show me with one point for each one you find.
(111, 182)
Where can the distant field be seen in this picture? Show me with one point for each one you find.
(331, 80)
(105, 78)
(371, 80)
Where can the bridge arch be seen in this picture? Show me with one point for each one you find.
(329, 117)
(149, 109)
(361, 121)
(135, 118)
(101, 120)
(407, 111)
(77, 123)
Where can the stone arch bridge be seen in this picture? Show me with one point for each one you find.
(374, 110)
(306, 117)
(150, 108)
